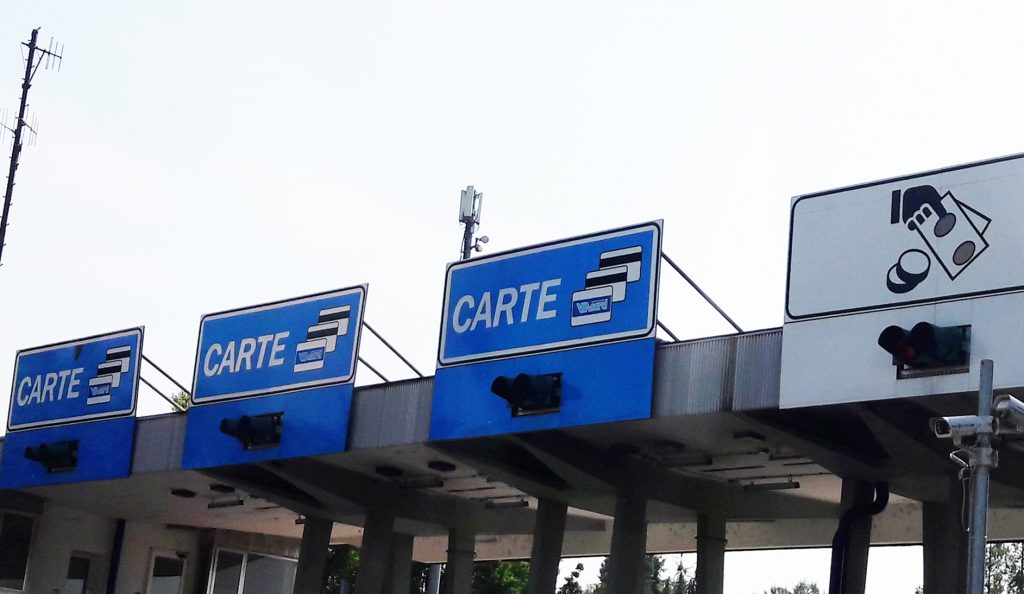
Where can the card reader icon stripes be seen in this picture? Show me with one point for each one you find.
(322, 338)
(108, 375)
(606, 285)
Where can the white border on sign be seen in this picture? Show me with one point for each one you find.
(790, 318)
(139, 330)
(331, 381)
(655, 264)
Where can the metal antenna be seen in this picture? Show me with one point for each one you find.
(469, 215)
(36, 56)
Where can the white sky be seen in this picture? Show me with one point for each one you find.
(195, 156)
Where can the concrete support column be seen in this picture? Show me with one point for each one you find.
(548, 531)
(400, 576)
(945, 544)
(855, 561)
(375, 553)
(316, 539)
(626, 567)
(458, 573)
(710, 554)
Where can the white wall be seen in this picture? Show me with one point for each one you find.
(59, 531)
(141, 539)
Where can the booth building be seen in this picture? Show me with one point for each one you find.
(555, 425)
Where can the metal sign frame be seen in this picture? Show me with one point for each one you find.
(361, 289)
(650, 329)
(791, 317)
(139, 330)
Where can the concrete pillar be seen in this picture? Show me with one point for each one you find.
(375, 552)
(855, 561)
(626, 567)
(710, 554)
(458, 573)
(316, 539)
(945, 544)
(548, 531)
(400, 576)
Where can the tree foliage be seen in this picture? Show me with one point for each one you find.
(182, 399)
(500, 577)
(572, 585)
(342, 564)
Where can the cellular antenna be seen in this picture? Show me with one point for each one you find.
(37, 56)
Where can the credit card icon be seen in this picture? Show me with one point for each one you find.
(591, 306)
(99, 389)
(340, 314)
(630, 257)
(113, 369)
(310, 355)
(614, 277)
(327, 331)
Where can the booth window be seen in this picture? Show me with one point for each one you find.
(252, 573)
(166, 574)
(15, 539)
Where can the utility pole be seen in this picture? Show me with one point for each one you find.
(31, 66)
(469, 215)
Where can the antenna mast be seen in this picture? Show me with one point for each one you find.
(48, 56)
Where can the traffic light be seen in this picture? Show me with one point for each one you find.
(58, 456)
(255, 432)
(530, 394)
(927, 346)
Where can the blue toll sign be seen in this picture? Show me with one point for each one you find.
(290, 345)
(582, 291)
(78, 380)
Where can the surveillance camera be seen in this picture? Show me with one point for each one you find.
(484, 239)
(957, 428)
(1010, 413)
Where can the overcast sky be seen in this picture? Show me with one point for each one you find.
(195, 156)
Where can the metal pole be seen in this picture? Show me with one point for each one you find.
(979, 491)
(393, 349)
(16, 148)
(702, 293)
(467, 240)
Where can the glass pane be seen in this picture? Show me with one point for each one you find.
(15, 535)
(167, 575)
(228, 573)
(78, 575)
(268, 575)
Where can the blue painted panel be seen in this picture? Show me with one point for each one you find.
(104, 452)
(315, 422)
(89, 378)
(288, 345)
(587, 290)
(600, 384)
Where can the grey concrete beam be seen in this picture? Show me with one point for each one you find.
(458, 576)
(316, 538)
(626, 566)
(670, 486)
(400, 575)
(548, 532)
(375, 554)
(710, 554)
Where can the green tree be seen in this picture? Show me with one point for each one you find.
(342, 564)
(803, 587)
(1003, 568)
(500, 577)
(571, 585)
(683, 583)
(182, 399)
